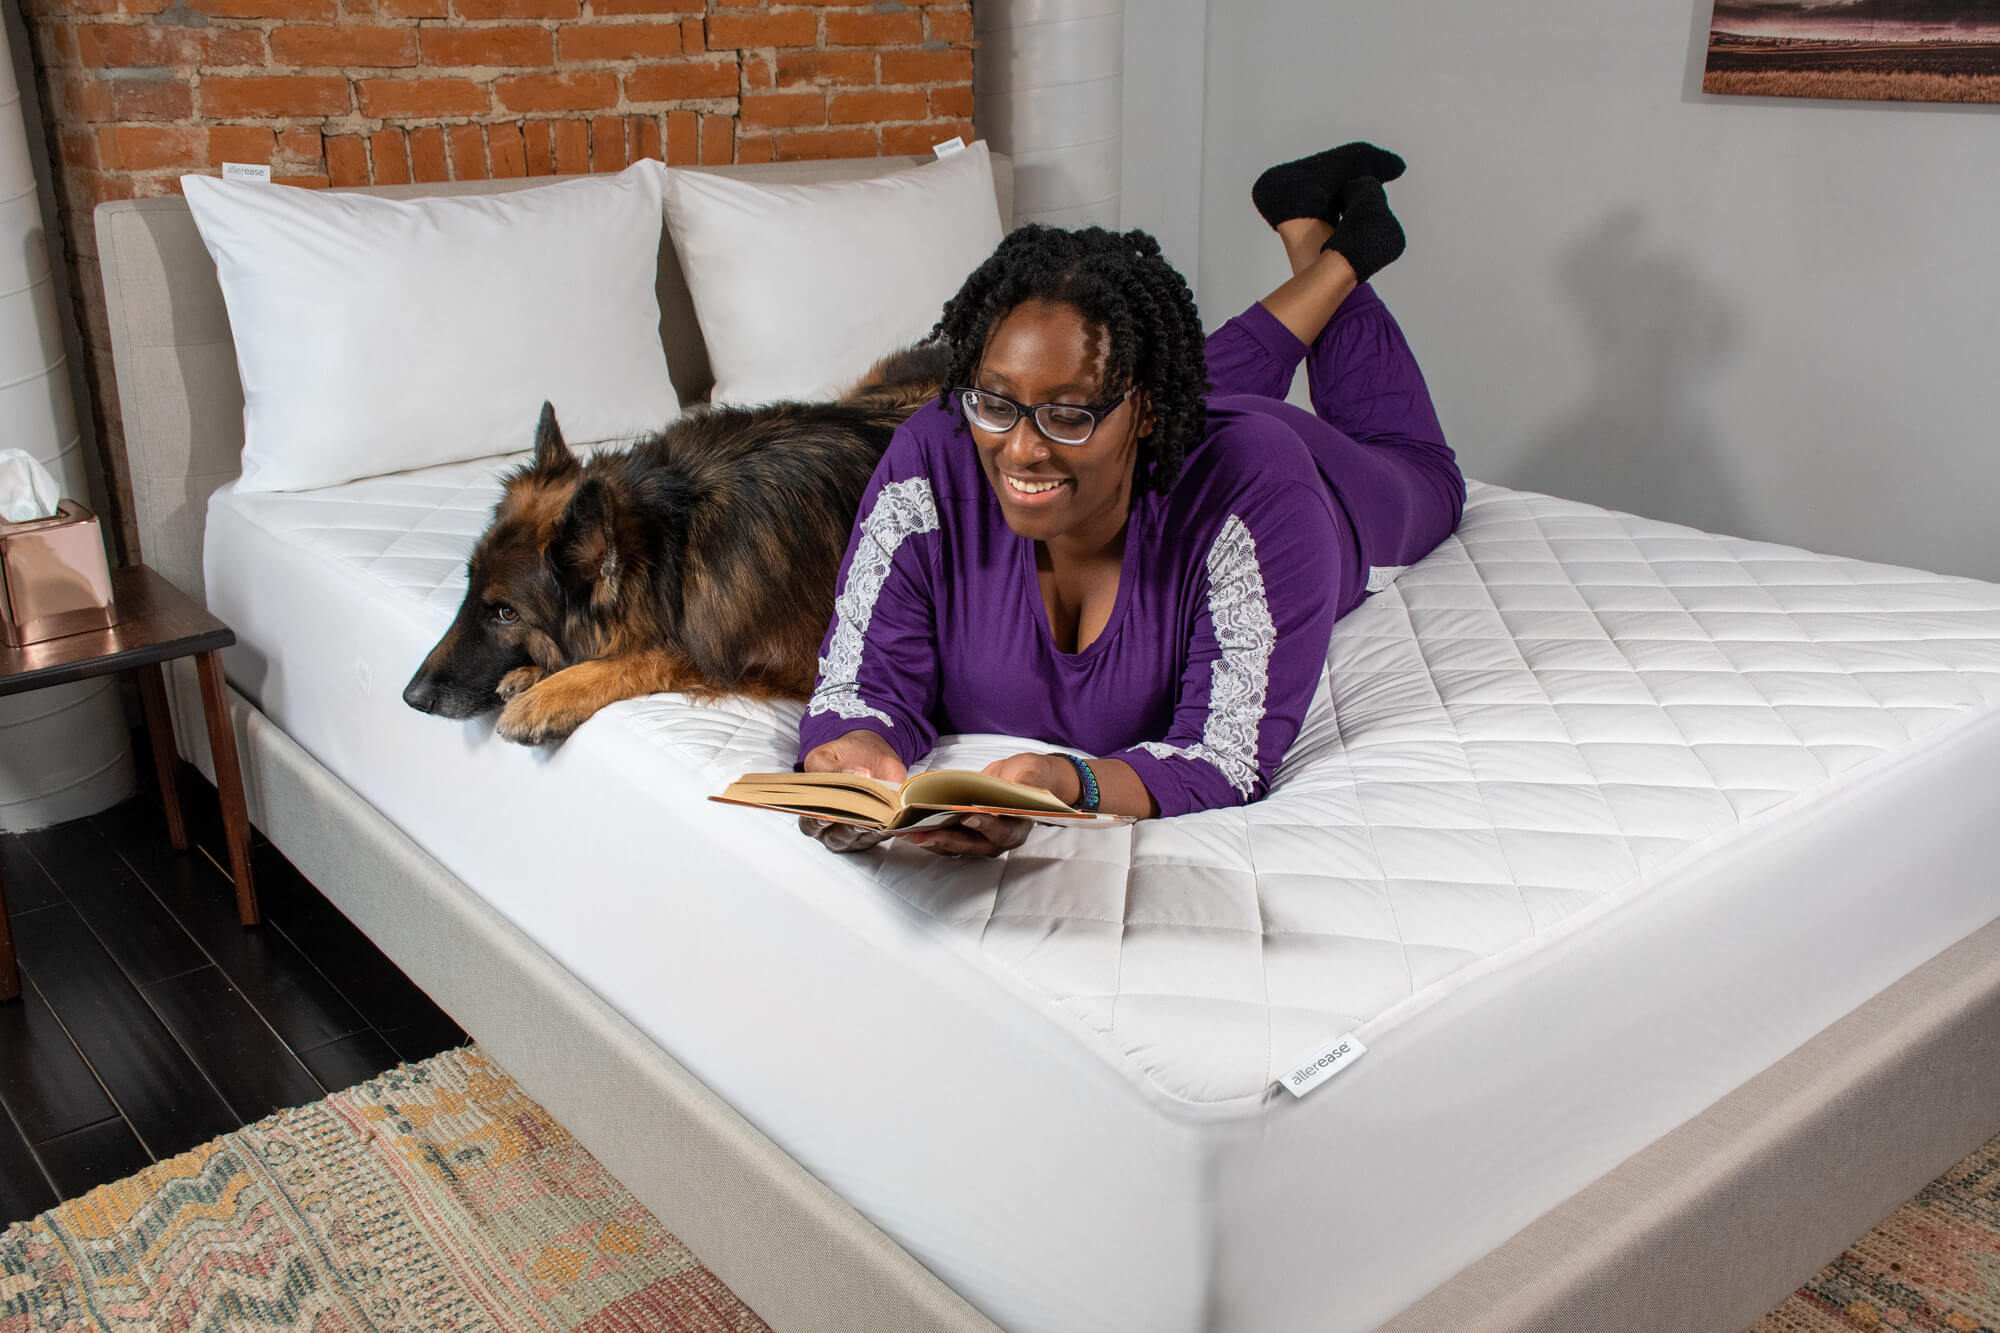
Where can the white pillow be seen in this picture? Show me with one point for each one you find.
(378, 335)
(799, 289)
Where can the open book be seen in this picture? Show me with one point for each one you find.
(930, 800)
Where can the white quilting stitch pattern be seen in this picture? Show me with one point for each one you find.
(1239, 679)
(902, 509)
(1556, 702)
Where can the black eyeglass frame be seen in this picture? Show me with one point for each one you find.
(1032, 412)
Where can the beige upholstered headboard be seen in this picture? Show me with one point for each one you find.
(178, 392)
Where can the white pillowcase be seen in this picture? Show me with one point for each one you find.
(378, 335)
(799, 289)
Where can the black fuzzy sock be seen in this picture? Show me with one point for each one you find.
(1368, 233)
(1306, 188)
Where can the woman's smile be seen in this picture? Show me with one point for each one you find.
(1034, 490)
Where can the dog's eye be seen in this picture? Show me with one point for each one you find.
(505, 614)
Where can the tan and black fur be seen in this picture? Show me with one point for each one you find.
(702, 559)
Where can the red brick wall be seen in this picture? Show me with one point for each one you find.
(357, 92)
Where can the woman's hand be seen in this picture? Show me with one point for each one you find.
(861, 752)
(979, 835)
(1119, 790)
(990, 835)
(1051, 772)
(840, 837)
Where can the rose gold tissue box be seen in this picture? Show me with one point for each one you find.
(54, 579)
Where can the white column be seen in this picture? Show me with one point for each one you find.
(1047, 87)
(64, 751)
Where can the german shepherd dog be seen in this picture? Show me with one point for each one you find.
(702, 559)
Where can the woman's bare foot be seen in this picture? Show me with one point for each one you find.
(1304, 238)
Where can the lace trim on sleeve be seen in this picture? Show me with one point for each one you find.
(902, 509)
(1240, 678)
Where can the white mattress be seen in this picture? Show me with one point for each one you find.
(1594, 818)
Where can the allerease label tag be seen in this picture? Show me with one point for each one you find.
(1323, 1064)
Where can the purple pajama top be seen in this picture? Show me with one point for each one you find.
(1230, 586)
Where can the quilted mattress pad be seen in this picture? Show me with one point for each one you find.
(1559, 711)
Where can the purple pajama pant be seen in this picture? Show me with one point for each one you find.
(1373, 431)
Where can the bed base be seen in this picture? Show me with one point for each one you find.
(1709, 1227)
(1702, 1231)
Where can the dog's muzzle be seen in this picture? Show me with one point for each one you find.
(421, 693)
(444, 697)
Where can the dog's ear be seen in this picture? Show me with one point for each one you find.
(586, 546)
(552, 456)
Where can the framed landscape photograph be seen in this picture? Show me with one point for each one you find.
(1872, 50)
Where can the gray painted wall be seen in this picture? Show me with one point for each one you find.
(1166, 61)
(1774, 318)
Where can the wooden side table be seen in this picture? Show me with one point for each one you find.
(157, 623)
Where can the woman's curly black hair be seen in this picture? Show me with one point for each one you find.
(1120, 282)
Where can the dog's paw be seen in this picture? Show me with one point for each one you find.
(537, 717)
(519, 680)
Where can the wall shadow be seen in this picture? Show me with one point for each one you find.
(1656, 331)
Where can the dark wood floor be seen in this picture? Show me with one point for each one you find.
(150, 1021)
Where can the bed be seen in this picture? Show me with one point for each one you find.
(1652, 868)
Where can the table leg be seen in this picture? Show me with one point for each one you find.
(160, 727)
(10, 973)
(228, 781)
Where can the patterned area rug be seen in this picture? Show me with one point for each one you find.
(435, 1197)
(1933, 1265)
(440, 1197)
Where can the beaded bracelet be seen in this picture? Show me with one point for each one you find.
(1088, 781)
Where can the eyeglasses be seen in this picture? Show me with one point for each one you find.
(1064, 423)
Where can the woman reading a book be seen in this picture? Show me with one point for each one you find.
(1115, 536)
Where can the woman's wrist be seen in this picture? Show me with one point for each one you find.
(868, 749)
(1122, 790)
(1082, 791)
(868, 737)
(1062, 779)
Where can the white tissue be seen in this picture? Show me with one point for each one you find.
(26, 488)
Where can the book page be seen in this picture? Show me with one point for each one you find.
(813, 800)
(850, 793)
(952, 786)
(886, 792)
